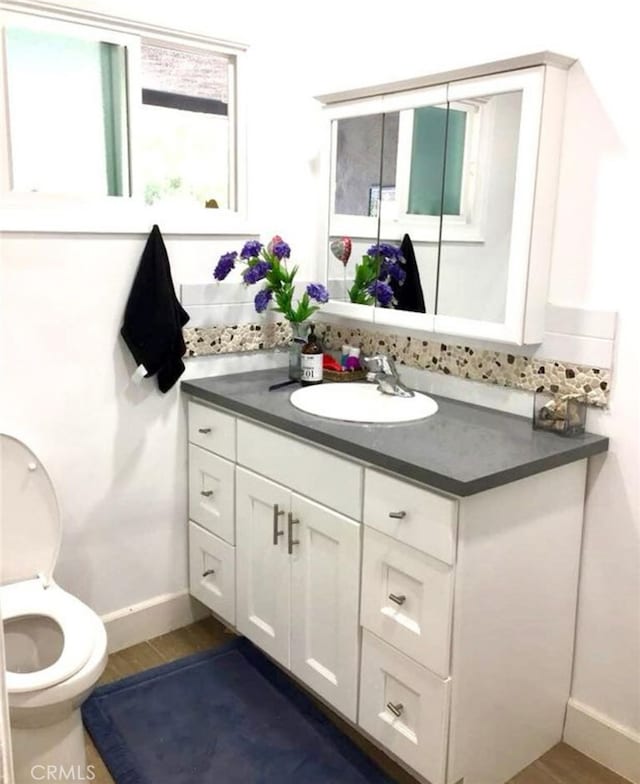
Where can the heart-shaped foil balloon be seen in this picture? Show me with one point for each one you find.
(341, 249)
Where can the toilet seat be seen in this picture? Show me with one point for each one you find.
(31, 598)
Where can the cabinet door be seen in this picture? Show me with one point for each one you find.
(262, 567)
(325, 584)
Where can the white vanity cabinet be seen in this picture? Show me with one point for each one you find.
(441, 626)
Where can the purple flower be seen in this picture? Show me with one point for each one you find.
(389, 252)
(251, 249)
(225, 264)
(262, 300)
(318, 292)
(397, 273)
(382, 292)
(281, 250)
(256, 272)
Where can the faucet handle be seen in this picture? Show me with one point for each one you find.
(379, 363)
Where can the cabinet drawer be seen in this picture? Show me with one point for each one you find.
(417, 620)
(212, 572)
(405, 707)
(418, 517)
(211, 493)
(325, 477)
(212, 430)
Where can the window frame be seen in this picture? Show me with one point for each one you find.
(68, 213)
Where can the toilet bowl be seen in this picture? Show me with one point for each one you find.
(55, 646)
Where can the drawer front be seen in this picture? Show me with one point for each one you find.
(418, 517)
(212, 430)
(407, 599)
(322, 476)
(212, 492)
(405, 707)
(212, 572)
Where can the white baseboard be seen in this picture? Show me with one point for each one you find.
(612, 745)
(151, 618)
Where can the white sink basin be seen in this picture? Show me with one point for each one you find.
(353, 402)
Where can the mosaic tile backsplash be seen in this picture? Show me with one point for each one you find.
(492, 367)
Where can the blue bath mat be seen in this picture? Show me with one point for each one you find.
(226, 716)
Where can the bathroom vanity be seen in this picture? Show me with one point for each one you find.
(420, 578)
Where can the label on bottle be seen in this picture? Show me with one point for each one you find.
(311, 368)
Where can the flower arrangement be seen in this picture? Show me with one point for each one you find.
(269, 264)
(377, 276)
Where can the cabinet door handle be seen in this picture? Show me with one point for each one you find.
(276, 514)
(401, 599)
(208, 572)
(398, 515)
(395, 709)
(291, 541)
(204, 430)
(206, 493)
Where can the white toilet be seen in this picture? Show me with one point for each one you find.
(56, 646)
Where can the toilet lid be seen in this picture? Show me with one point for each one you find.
(30, 529)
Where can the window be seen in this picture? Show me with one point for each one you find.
(185, 126)
(92, 112)
(67, 113)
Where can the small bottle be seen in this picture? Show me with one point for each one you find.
(344, 354)
(311, 361)
(353, 360)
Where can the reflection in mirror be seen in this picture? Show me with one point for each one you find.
(410, 218)
(51, 77)
(356, 171)
(478, 206)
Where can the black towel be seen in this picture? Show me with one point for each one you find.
(153, 318)
(409, 294)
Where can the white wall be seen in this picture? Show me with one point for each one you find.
(117, 453)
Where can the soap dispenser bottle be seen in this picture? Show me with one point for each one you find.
(311, 361)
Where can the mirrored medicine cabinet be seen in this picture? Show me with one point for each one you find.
(459, 170)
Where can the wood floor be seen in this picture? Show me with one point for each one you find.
(560, 765)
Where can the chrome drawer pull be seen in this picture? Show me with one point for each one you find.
(398, 599)
(292, 541)
(398, 515)
(276, 514)
(395, 709)
(206, 493)
(208, 572)
(204, 430)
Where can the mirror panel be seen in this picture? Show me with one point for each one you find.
(479, 189)
(411, 220)
(357, 154)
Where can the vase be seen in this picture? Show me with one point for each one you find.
(299, 332)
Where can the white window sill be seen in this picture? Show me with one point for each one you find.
(120, 219)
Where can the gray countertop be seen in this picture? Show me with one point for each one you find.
(463, 449)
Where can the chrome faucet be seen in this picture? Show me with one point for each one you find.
(382, 370)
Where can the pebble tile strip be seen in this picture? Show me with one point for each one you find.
(492, 367)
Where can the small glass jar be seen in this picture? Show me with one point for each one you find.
(562, 414)
(299, 332)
